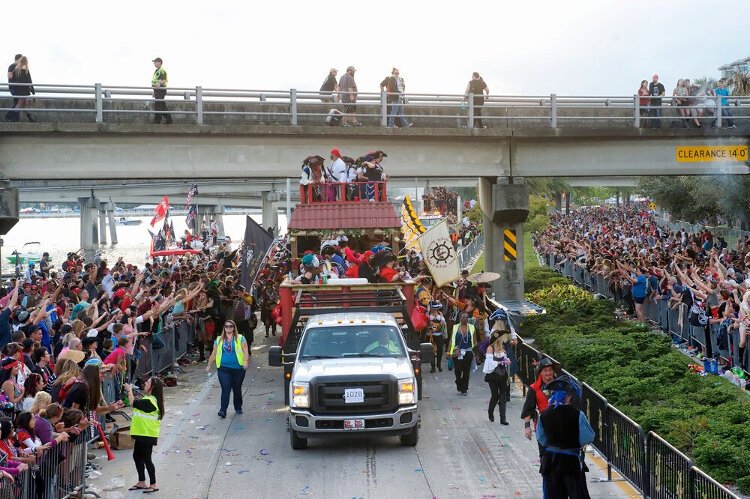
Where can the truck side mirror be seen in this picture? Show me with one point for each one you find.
(427, 353)
(275, 356)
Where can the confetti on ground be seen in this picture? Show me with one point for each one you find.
(264, 452)
(418, 470)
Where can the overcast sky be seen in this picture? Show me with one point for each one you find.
(532, 47)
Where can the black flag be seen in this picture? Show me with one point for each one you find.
(257, 243)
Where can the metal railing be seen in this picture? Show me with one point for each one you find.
(342, 192)
(100, 103)
(175, 336)
(471, 251)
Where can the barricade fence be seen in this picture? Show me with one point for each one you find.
(673, 320)
(161, 350)
(468, 254)
(647, 461)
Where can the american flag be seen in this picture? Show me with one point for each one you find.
(191, 216)
(192, 192)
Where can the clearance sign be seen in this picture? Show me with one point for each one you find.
(710, 154)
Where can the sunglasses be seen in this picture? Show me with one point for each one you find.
(228, 326)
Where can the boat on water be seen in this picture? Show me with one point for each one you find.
(128, 221)
(31, 252)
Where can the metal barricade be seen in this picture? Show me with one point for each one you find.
(525, 356)
(627, 451)
(164, 357)
(664, 315)
(669, 469)
(705, 487)
(594, 406)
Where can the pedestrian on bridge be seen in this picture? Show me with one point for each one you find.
(22, 75)
(159, 82)
(348, 93)
(13, 115)
(477, 88)
(656, 90)
(232, 358)
(395, 87)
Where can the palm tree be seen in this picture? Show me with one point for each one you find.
(740, 83)
(705, 82)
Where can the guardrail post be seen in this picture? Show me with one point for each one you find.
(637, 111)
(718, 111)
(383, 109)
(553, 110)
(293, 101)
(99, 103)
(470, 123)
(199, 105)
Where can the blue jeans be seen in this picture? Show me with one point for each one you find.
(655, 112)
(397, 109)
(231, 380)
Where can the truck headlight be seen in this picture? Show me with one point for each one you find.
(301, 395)
(406, 391)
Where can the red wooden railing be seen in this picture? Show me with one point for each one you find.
(342, 192)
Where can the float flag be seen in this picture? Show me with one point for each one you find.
(439, 254)
(161, 211)
(411, 227)
(254, 250)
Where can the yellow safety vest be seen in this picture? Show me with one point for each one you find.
(146, 424)
(159, 75)
(237, 349)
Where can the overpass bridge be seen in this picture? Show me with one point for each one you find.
(99, 133)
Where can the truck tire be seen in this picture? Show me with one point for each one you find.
(411, 438)
(298, 443)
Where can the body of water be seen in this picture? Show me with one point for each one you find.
(59, 235)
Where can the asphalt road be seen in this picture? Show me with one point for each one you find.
(460, 454)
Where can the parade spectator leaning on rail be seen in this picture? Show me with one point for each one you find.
(656, 90)
(479, 89)
(330, 87)
(348, 93)
(722, 92)
(159, 83)
(24, 87)
(643, 103)
(395, 87)
(11, 115)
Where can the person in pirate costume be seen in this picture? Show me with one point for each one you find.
(537, 397)
(564, 431)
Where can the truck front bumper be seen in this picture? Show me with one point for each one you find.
(309, 425)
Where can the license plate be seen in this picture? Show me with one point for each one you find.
(354, 424)
(354, 395)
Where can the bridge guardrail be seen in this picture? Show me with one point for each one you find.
(468, 253)
(111, 103)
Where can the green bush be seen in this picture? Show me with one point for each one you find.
(542, 277)
(639, 372)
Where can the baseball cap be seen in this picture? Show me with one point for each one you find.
(158, 59)
(335, 152)
(351, 68)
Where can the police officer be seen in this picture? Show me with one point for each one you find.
(145, 426)
(159, 84)
(564, 431)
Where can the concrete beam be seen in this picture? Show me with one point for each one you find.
(227, 202)
(603, 181)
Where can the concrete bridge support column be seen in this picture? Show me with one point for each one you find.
(112, 223)
(102, 223)
(89, 224)
(505, 203)
(269, 210)
(218, 211)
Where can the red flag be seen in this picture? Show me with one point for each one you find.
(161, 211)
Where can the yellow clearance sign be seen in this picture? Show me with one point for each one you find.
(710, 154)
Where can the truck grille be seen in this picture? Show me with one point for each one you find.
(328, 396)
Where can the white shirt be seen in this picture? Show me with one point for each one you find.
(338, 170)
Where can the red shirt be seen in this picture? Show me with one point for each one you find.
(387, 273)
(116, 357)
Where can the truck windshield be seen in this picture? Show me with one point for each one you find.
(351, 341)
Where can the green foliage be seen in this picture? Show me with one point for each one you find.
(639, 372)
(541, 277)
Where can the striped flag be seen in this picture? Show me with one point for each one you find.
(411, 227)
(192, 192)
(192, 215)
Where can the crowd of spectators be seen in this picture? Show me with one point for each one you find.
(66, 331)
(694, 104)
(644, 261)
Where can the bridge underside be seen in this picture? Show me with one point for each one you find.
(121, 152)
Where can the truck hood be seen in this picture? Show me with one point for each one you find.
(304, 371)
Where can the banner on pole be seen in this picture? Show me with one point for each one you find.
(256, 244)
(411, 226)
(439, 254)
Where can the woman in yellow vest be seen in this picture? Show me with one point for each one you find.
(232, 357)
(144, 428)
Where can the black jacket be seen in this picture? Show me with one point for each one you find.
(22, 76)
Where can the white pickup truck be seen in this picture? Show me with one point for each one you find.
(352, 376)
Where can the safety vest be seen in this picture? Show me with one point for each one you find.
(159, 75)
(453, 336)
(146, 424)
(237, 350)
